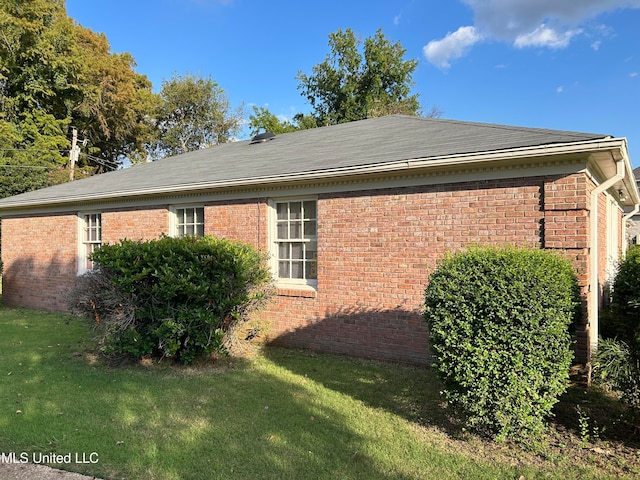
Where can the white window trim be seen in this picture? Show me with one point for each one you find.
(293, 283)
(173, 216)
(82, 245)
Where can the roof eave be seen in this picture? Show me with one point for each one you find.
(440, 162)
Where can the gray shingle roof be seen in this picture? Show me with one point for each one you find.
(368, 142)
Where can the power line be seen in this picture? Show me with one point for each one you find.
(101, 161)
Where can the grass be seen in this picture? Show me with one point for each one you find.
(279, 414)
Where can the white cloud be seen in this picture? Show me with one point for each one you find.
(544, 36)
(452, 46)
(596, 45)
(523, 23)
(560, 89)
(508, 19)
(633, 74)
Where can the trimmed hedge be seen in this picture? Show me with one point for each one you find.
(172, 297)
(499, 324)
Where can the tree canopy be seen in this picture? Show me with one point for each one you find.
(55, 74)
(194, 113)
(359, 80)
(263, 119)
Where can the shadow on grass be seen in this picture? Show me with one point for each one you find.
(595, 414)
(157, 421)
(411, 392)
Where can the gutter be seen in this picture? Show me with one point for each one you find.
(636, 208)
(593, 282)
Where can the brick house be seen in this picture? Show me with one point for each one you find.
(355, 217)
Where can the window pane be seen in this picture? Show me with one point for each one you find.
(283, 250)
(189, 229)
(309, 230)
(297, 270)
(200, 230)
(190, 215)
(180, 216)
(311, 252)
(295, 230)
(295, 210)
(310, 210)
(282, 231)
(283, 269)
(297, 250)
(312, 270)
(282, 211)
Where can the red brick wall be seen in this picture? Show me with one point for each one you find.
(40, 257)
(134, 224)
(240, 220)
(376, 250)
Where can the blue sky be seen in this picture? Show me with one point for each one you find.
(561, 64)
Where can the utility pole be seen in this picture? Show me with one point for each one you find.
(73, 153)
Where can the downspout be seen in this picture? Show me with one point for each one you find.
(636, 208)
(593, 283)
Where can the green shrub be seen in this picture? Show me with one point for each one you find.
(172, 297)
(499, 329)
(623, 318)
(615, 366)
(617, 361)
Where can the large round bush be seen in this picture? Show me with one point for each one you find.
(172, 297)
(499, 324)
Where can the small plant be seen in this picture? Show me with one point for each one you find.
(588, 429)
(499, 328)
(172, 297)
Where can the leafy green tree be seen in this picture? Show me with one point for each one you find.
(115, 108)
(55, 74)
(263, 120)
(360, 80)
(194, 113)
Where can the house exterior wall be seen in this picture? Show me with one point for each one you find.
(39, 256)
(376, 249)
(134, 224)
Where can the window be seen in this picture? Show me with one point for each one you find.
(295, 246)
(90, 239)
(188, 221)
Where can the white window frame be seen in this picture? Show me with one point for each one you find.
(174, 221)
(274, 244)
(88, 245)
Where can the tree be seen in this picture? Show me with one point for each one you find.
(355, 83)
(194, 113)
(55, 74)
(263, 120)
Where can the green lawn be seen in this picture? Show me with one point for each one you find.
(279, 414)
